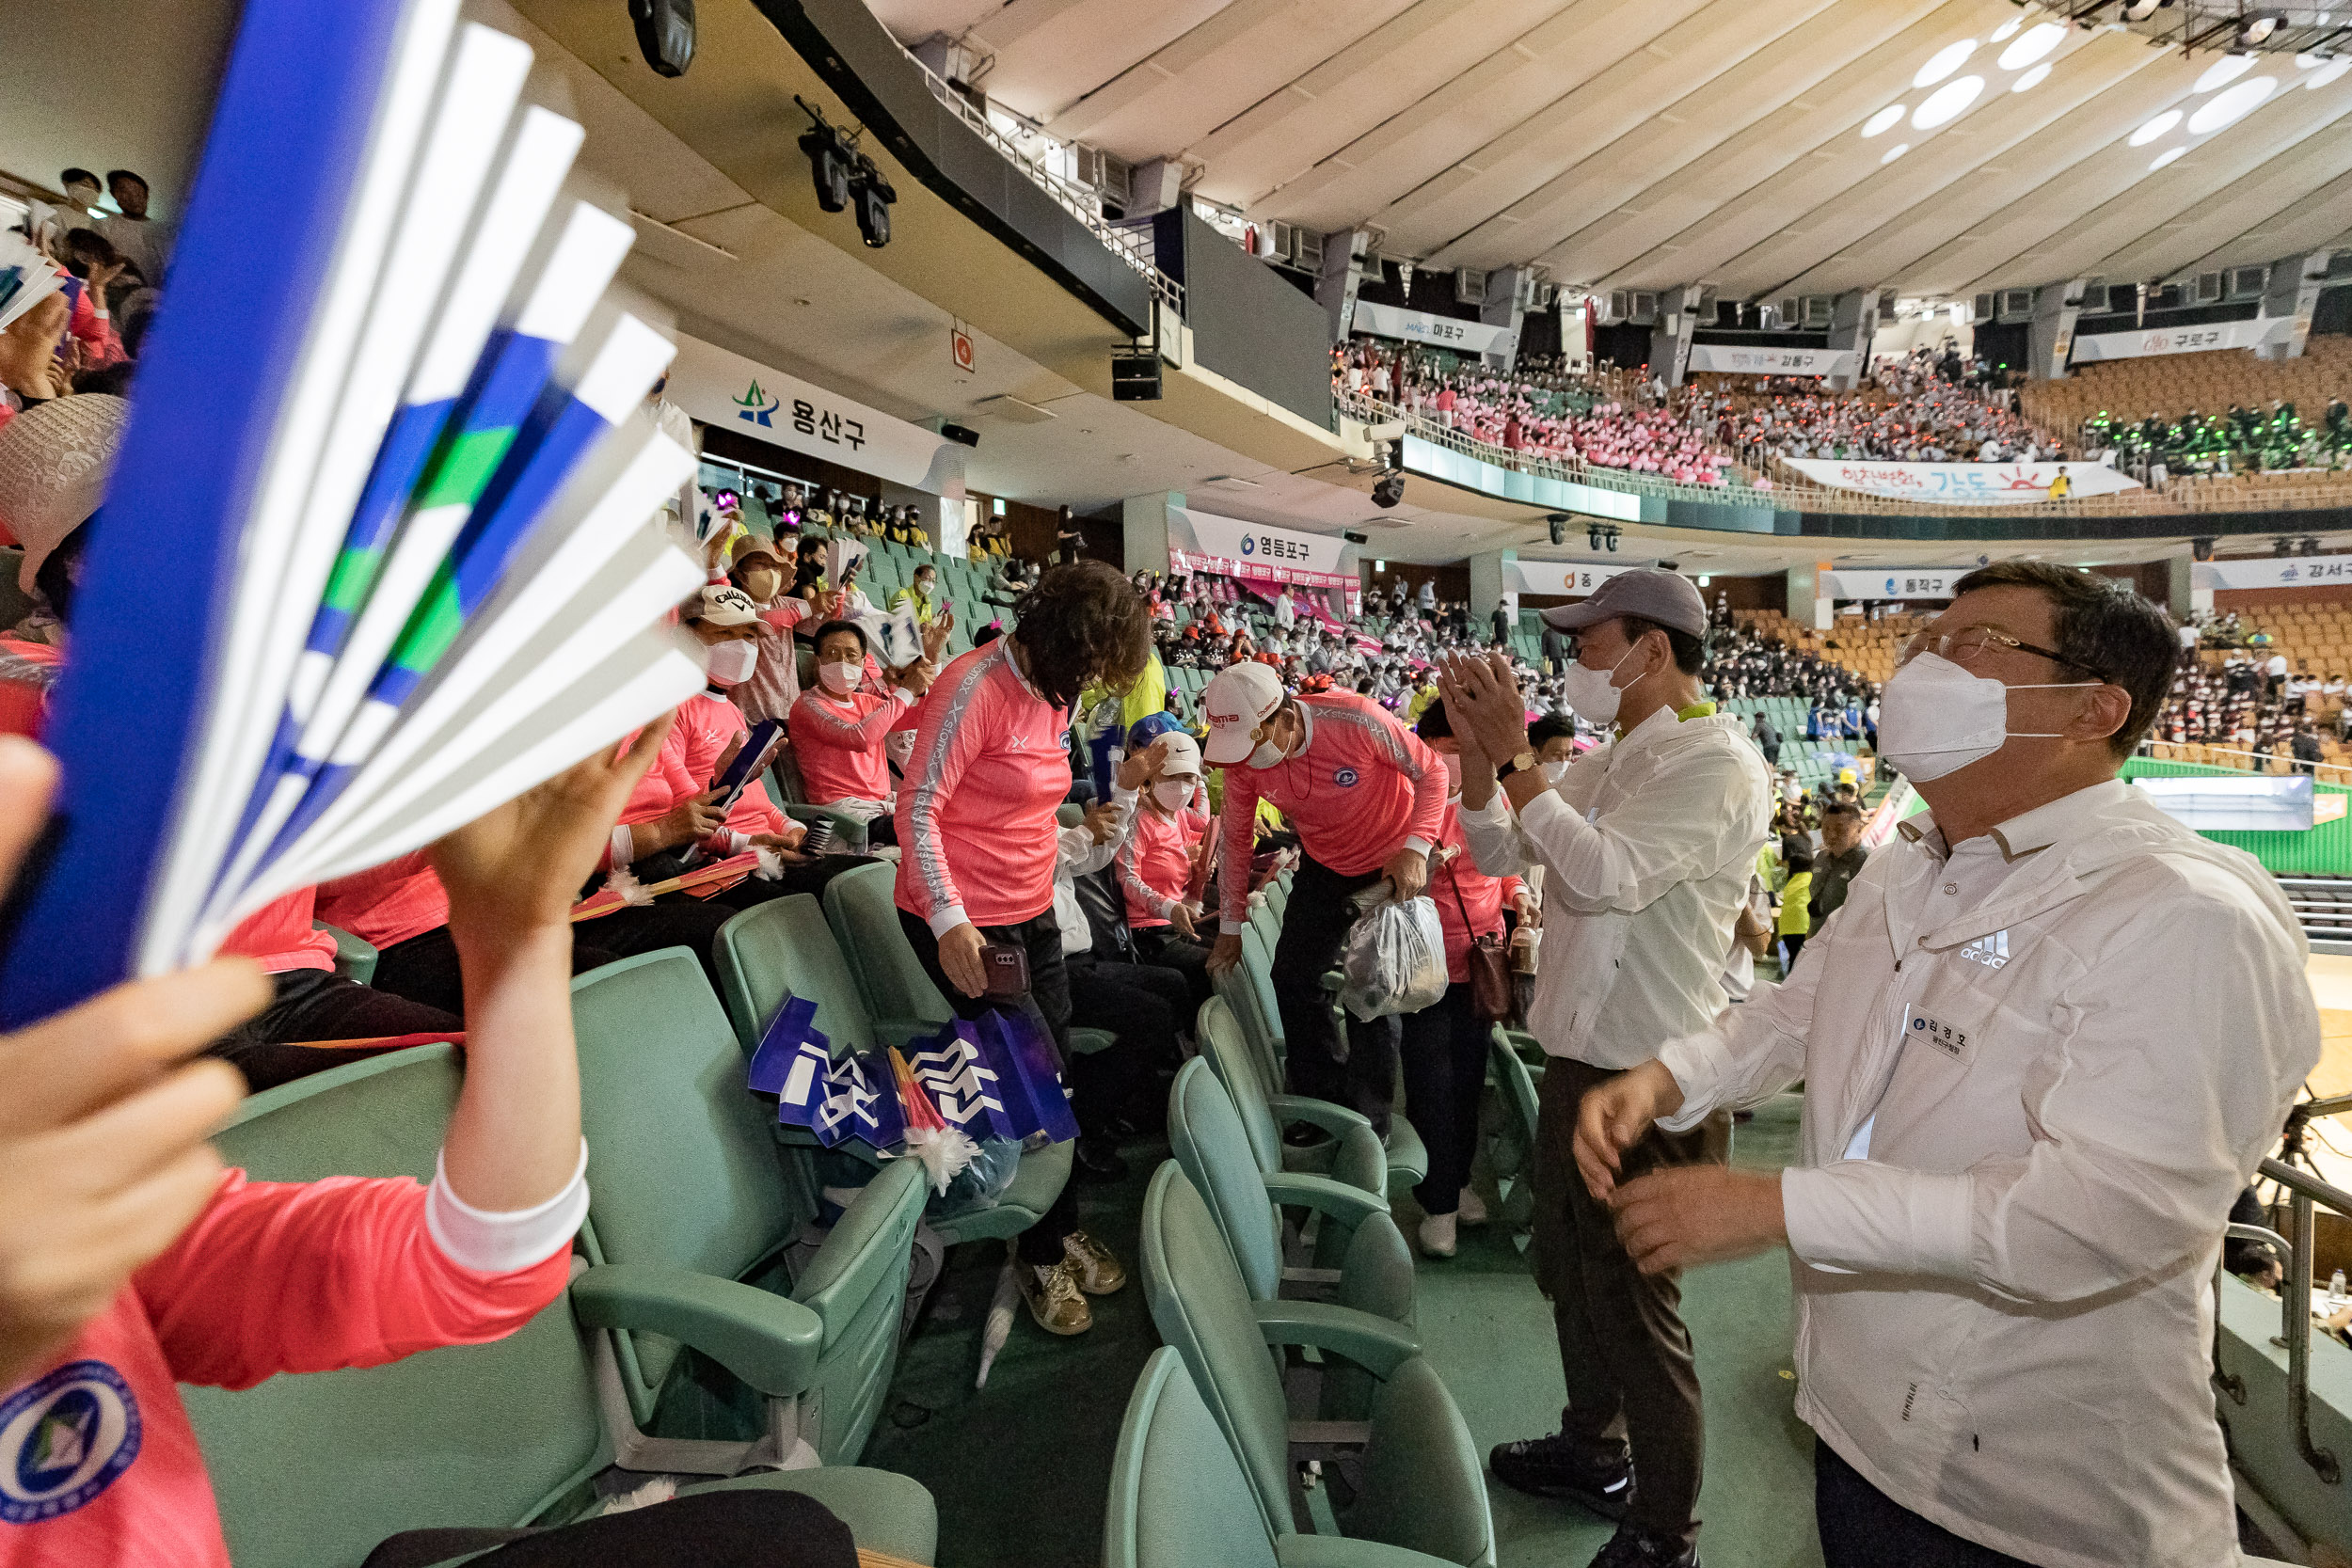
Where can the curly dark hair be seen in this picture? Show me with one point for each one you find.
(1083, 625)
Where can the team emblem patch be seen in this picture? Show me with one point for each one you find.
(64, 1439)
(1346, 778)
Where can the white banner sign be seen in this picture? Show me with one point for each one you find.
(734, 393)
(1572, 578)
(1256, 545)
(2185, 339)
(1418, 327)
(2308, 571)
(1736, 361)
(1964, 483)
(1893, 582)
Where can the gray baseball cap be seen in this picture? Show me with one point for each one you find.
(1654, 596)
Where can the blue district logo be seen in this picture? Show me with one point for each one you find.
(64, 1439)
(756, 405)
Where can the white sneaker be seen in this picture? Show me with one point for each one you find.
(1471, 1209)
(1436, 1236)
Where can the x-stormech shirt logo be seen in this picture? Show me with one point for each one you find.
(64, 1439)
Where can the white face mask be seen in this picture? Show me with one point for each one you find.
(1267, 755)
(1453, 774)
(840, 679)
(1592, 693)
(731, 663)
(1937, 718)
(1172, 792)
(1555, 771)
(81, 195)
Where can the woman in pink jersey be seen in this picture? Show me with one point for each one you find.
(838, 728)
(1444, 1045)
(975, 821)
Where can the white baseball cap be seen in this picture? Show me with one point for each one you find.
(1237, 701)
(1183, 760)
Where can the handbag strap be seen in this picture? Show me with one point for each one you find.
(1456, 883)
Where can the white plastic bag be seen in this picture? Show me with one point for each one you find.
(1393, 961)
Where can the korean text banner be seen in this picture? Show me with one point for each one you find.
(734, 393)
(1964, 483)
(1724, 358)
(1418, 327)
(1572, 578)
(1893, 582)
(1258, 545)
(2185, 339)
(2307, 571)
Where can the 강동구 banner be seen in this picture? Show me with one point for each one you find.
(1964, 483)
(1727, 358)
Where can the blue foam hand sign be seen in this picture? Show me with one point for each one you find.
(1019, 1050)
(860, 1099)
(792, 1062)
(961, 1083)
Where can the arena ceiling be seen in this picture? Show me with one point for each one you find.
(1768, 147)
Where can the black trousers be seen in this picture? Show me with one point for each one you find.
(1863, 1528)
(1142, 1005)
(736, 1528)
(1047, 1000)
(1444, 1051)
(425, 968)
(320, 1004)
(1624, 1348)
(1359, 1073)
(1163, 947)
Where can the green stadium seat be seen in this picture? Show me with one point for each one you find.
(1180, 1498)
(1420, 1485)
(1359, 1160)
(787, 946)
(687, 1194)
(1374, 1273)
(354, 956)
(314, 1471)
(1512, 1151)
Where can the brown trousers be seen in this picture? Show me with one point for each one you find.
(1623, 1345)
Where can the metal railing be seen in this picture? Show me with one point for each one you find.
(2304, 1192)
(1131, 243)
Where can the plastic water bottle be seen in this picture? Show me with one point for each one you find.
(2336, 1294)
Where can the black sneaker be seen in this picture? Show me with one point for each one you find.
(1098, 1158)
(1563, 1466)
(1639, 1548)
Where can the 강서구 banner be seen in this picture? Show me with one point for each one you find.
(1964, 483)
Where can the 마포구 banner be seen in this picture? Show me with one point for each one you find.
(1964, 483)
(1420, 326)
(1736, 361)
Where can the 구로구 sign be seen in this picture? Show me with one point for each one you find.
(2185, 339)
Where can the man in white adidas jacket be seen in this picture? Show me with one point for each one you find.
(2044, 1044)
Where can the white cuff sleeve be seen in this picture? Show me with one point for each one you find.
(489, 1243)
(1418, 843)
(1864, 1217)
(948, 920)
(624, 846)
(1232, 927)
(737, 842)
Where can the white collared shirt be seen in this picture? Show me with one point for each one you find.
(1648, 844)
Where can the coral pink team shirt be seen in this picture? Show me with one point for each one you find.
(387, 904)
(975, 815)
(1458, 888)
(837, 743)
(712, 723)
(1155, 864)
(279, 935)
(1362, 787)
(99, 1465)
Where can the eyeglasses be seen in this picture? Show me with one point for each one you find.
(1962, 647)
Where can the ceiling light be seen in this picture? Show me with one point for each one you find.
(2228, 69)
(2168, 155)
(1947, 103)
(2332, 71)
(2258, 27)
(1944, 62)
(2039, 41)
(2230, 105)
(2156, 127)
(1882, 121)
(2006, 29)
(1893, 152)
(2141, 10)
(2032, 79)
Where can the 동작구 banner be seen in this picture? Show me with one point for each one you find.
(734, 393)
(1420, 326)
(1735, 360)
(1893, 582)
(1964, 483)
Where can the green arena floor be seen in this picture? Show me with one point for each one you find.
(1021, 1468)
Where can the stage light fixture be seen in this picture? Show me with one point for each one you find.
(1556, 523)
(2310, 546)
(665, 34)
(1391, 487)
(873, 196)
(2141, 10)
(830, 161)
(2279, 549)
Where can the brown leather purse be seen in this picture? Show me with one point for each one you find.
(1492, 997)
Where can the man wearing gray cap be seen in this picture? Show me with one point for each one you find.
(1646, 843)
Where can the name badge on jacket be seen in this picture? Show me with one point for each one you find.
(1926, 1029)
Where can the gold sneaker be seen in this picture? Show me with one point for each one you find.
(1052, 1297)
(1091, 1265)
